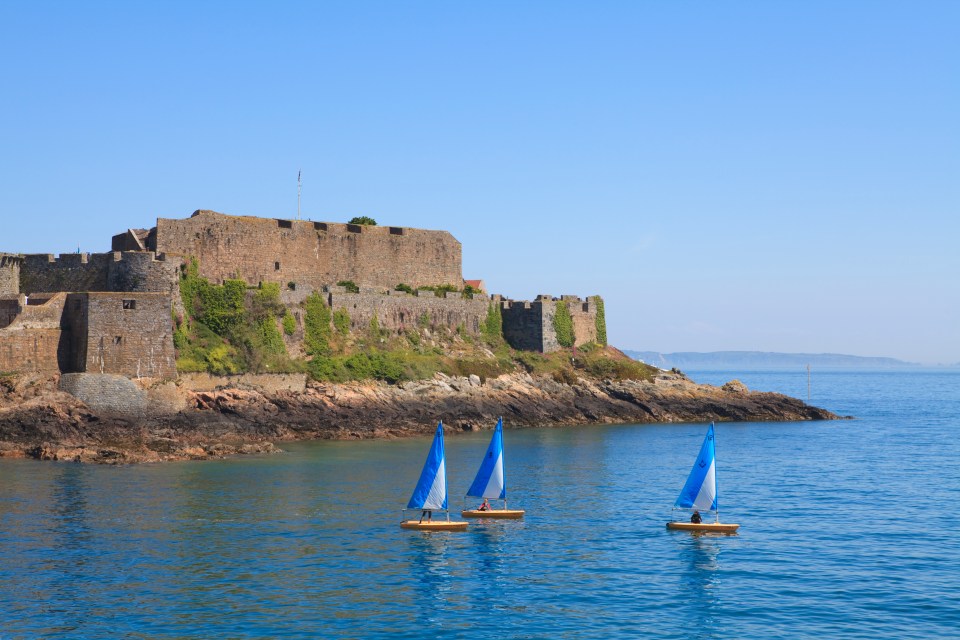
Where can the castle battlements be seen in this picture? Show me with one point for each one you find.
(112, 311)
(309, 253)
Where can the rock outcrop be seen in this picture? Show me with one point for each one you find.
(39, 420)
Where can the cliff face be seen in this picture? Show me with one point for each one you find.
(39, 420)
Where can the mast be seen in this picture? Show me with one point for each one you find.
(716, 483)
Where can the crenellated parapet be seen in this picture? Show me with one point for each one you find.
(529, 325)
(398, 311)
(10, 273)
(129, 333)
(112, 271)
(309, 253)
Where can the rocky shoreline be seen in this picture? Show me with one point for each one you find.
(188, 420)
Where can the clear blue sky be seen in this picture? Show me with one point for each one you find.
(775, 176)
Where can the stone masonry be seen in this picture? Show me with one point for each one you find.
(10, 273)
(398, 311)
(30, 333)
(529, 325)
(114, 271)
(308, 253)
(126, 333)
(111, 313)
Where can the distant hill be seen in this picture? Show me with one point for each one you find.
(763, 360)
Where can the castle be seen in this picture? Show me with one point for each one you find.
(113, 312)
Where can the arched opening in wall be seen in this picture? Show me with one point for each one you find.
(355, 228)
(320, 226)
(396, 231)
(285, 224)
(276, 266)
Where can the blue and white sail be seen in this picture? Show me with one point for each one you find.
(490, 482)
(431, 491)
(700, 492)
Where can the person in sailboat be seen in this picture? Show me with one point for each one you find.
(695, 518)
(484, 506)
(428, 513)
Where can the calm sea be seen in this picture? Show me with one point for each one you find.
(848, 529)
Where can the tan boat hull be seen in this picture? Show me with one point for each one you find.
(493, 513)
(704, 527)
(435, 525)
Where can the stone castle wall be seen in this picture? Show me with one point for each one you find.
(398, 311)
(114, 271)
(125, 333)
(523, 324)
(9, 309)
(529, 325)
(311, 253)
(33, 340)
(10, 274)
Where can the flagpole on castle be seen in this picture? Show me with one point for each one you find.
(298, 194)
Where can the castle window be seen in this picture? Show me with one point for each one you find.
(285, 224)
(118, 340)
(354, 228)
(76, 305)
(276, 266)
(129, 304)
(320, 226)
(396, 231)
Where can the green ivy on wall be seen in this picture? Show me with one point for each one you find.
(563, 324)
(492, 327)
(341, 320)
(316, 325)
(601, 322)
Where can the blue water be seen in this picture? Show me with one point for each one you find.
(847, 530)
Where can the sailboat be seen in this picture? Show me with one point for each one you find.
(700, 491)
(489, 483)
(431, 492)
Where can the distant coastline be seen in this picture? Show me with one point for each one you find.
(772, 361)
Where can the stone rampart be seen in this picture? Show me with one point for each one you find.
(125, 333)
(311, 253)
(68, 272)
(530, 325)
(523, 324)
(9, 309)
(32, 340)
(398, 311)
(10, 273)
(114, 271)
(143, 271)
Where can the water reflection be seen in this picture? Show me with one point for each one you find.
(699, 556)
(70, 552)
(431, 572)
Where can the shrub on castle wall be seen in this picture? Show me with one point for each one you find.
(492, 327)
(349, 285)
(563, 325)
(601, 320)
(341, 321)
(367, 220)
(268, 338)
(316, 325)
(289, 324)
